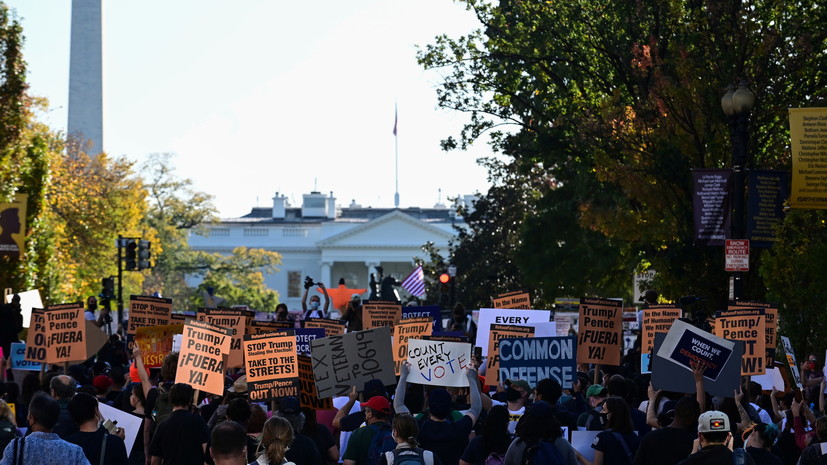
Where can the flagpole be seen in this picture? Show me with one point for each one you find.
(396, 150)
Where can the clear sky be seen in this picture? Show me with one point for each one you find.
(259, 96)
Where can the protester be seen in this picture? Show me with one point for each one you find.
(63, 389)
(462, 322)
(593, 419)
(492, 442)
(182, 438)
(549, 390)
(714, 439)
(517, 395)
(42, 446)
(405, 430)
(540, 440)
(315, 303)
(8, 425)
(276, 438)
(352, 313)
(812, 454)
(228, 444)
(304, 450)
(447, 439)
(617, 443)
(321, 436)
(758, 442)
(98, 445)
(377, 414)
(670, 445)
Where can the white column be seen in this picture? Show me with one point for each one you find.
(86, 75)
(325, 278)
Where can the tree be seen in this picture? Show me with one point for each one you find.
(238, 278)
(603, 109)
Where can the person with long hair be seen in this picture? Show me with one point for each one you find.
(494, 438)
(617, 443)
(276, 437)
(404, 431)
(539, 432)
(758, 442)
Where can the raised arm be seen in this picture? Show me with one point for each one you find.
(139, 366)
(345, 409)
(401, 387)
(700, 393)
(326, 308)
(304, 299)
(776, 411)
(652, 407)
(476, 400)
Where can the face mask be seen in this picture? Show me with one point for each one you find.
(512, 394)
(314, 305)
(92, 306)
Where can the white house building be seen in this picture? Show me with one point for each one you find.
(328, 243)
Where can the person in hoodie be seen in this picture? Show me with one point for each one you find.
(811, 455)
(714, 438)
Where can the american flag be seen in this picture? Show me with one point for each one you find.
(415, 282)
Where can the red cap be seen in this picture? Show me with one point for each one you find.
(378, 403)
(102, 383)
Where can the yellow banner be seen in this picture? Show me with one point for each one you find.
(808, 141)
(13, 226)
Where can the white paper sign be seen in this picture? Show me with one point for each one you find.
(771, 380)
(438, 363)
(130, 423)
(28, 299)
(489, 316)
(582, 442)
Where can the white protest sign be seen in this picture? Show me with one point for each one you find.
(28, 300)
(438, 363)
(489, 316)
(130, 423)
(582, 441)
(771, 380)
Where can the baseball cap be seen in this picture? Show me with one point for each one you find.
(596, 390)
(102, 383)
(289, 406)
(522, 384)
(239, 385)
(355, 297)
(713, 421)
(378, 403)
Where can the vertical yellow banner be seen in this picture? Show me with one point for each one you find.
(13, 226)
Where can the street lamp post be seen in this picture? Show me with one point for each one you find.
(737, 105)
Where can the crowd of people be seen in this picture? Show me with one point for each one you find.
(54, 416)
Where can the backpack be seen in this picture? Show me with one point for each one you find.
(406, 456)
(494, 459)
(381, 442)
(163, 408)
(622, 442)
(542, 453)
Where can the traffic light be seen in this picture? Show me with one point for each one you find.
(445, 281)
(131, 255)
(144, 254)
(108, 291)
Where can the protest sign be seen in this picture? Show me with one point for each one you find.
(201, 363)
(792, 365)
(18, 358)
(746, 325)
(670, 375)
(412, 328)
(492, 360)
(438, 363)
(770, 321)
(303, 338)
(269, 326)
(517, 299)
(65, 333)
(155, 342)
(36, 337)
(331, 327)
(28, 301)
(772, 379)
(95, 339)
(490, 316)
(656, 319)
(309, 396)
(563, 322)
(447, 336)
(352, 359)
(272, 365)
(13, 224)
(582, 441)
(147, 310)
(533, 359)
(180, 318)
(685, 344)
(601, 324)
(432, 311)
(131, 424)
(376, 314)
(232, 319)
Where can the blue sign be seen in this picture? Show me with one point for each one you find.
(536, 358)
(18, 358)
(431, 311)
(304, 336)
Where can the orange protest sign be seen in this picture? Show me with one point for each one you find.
(412, 328)
(309, 395)
(258, 327)
(492, 360)
(376, 314)
(146, 310)
(272, 365)
(36, 337)
(331, 327)
(156, 342)
(771, 324)
(201, 363)
(65, 333)
(518, 299)
(600, 328)
(232, 319)
(746, 325)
